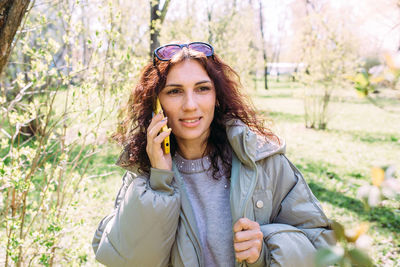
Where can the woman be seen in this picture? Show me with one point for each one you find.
(226, 195)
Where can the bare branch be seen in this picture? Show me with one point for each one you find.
(164, 11)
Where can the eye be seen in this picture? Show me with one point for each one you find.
(173, 91)
(204, 88)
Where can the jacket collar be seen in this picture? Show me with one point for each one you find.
(247, 145)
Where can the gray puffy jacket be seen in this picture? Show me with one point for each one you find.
(153, 223)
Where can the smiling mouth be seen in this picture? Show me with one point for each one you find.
(190, 120)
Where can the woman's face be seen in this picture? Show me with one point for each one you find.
(188, 100)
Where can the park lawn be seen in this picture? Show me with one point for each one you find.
(334, 162)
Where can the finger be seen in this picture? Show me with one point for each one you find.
(240, 224)
(242, 246)
(250, 255)
(245, 224)
(247, 235)
(158, 117)
(162, 136)
(154, 131)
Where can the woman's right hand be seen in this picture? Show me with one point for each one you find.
(158, 159)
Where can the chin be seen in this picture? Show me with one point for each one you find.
(189, 135)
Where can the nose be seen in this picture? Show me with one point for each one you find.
(189, 102)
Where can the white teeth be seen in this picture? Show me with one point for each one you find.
(190, 120)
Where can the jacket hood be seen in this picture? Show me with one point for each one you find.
(250, 147)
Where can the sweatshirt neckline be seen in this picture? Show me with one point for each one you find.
(192, 165)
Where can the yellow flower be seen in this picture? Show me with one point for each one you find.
(353, 234)
(378, 175)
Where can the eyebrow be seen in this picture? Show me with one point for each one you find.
(180, 85)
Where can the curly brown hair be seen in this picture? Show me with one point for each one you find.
(230, 104)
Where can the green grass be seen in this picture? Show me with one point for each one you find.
(385, 218)
(284, 116)
(96, 200)
(337, 161)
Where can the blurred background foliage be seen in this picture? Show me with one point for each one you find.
(327, 74)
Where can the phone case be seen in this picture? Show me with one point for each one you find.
(165, 143)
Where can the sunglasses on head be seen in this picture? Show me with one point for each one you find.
(166, 52)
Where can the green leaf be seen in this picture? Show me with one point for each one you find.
(328, 256)
(359, 258)
(362, 79)
(339, 231)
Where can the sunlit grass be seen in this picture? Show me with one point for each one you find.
(335, 162)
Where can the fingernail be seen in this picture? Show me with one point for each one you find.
(166, 118)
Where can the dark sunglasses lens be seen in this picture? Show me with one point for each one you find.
(203, 48)
(167, 52)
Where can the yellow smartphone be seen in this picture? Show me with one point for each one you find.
(165, 143)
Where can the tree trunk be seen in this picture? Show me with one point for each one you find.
(263, 47)
(154, 30)
(209, 21)
(83, 35)
(277, 54)
(11, 14)
(157, 17)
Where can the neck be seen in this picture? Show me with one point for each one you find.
(191, 149)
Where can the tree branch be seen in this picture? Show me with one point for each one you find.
(164, 11)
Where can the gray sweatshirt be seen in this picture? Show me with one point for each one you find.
(209, 199)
